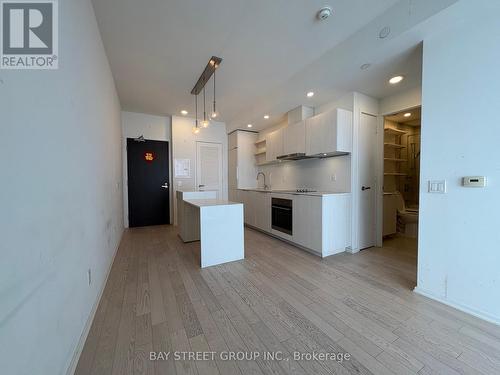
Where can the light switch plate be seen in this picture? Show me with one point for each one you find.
(437, 186)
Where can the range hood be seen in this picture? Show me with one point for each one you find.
(294, 156)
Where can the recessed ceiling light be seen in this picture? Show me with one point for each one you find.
(407, 114)
(310, 94)
(249, 125)
(365, 66)
(266, 117)
(396, 79)
(184, 112)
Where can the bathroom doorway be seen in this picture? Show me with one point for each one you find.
(401, 180)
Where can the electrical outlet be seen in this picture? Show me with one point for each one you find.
(89, 274)
(333, 177)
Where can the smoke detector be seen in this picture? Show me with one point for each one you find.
(384, 33)
(324, 13)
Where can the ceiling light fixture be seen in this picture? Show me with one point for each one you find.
(396, 79)
(196, 129)
(266, 117)
(249, 125)
(407, 114)
(214, 109)
(310, 94)
(184, 112)
(205, 122)
(207, 73)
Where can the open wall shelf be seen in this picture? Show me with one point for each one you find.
(394, 145)
(396, 160)
(394, 131)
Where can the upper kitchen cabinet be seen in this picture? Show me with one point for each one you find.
(241, 162)
(329, 133)
(294, 138)
(274, 145)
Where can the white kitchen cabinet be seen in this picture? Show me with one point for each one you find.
(294, 138)
(320, 224)
(262, 210)
(257, 209)
(329, 133)
(242, 171)
(307, 221)
(274, 145)
(248, 207)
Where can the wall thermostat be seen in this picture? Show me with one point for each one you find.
(474, 181)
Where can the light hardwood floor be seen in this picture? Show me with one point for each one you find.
(278, 299)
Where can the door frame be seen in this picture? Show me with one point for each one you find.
(221, 165)
(125, 177)
(380, 170)
(357, 185)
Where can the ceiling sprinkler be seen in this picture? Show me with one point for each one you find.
(324, 13)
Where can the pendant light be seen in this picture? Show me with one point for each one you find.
(205, 122)
(214, 109)
(196, 129)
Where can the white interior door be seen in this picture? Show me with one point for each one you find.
(209, 175)
(367, 180)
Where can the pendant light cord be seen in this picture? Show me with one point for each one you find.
(204, 103)
(215, 68)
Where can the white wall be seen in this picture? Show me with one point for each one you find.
(184, 147)
(60, 197)
(157, 128)
(401, 101)
(459, 256)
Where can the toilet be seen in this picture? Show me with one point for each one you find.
(407, 218)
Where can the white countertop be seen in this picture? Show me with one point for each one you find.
(312, 193)
(209, 202)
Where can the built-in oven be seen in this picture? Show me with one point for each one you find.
(282, 215)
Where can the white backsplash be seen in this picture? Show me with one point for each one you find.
(331, 174)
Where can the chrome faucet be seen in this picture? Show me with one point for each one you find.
(262, 173)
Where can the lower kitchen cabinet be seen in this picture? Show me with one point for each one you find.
(262, 210)
(320, 223)
(307, 221)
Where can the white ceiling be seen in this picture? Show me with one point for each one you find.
(413, 120)
(273, 51)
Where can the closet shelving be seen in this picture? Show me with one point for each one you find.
(394, 131)
(396, 160)
(394, 145)
(393, 159)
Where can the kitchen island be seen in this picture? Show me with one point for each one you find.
(216, 223)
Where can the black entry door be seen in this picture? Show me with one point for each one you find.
(148, 183)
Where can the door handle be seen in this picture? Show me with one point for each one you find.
(201, 185)
(165, 185)
(366, 188)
